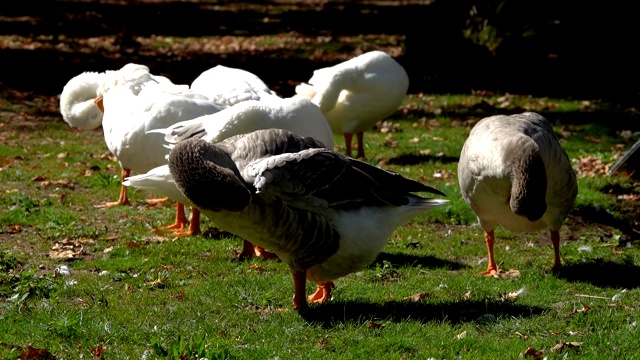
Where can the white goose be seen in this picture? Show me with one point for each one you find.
(77, 104)
(80, 97)
(295, 114)
(128, 123)
(324, 214)
(514, 173)
(137, 101)
(357, 93)
(229, 86)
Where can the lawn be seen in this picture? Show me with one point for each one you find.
(79, 281)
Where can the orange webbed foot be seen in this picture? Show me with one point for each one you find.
(249, 250)
(156, 201)
(323, 293)
(112, 204)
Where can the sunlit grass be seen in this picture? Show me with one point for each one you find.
(134, 292)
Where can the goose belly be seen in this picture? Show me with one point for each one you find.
(363, 234)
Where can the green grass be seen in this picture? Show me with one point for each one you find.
(133, 293)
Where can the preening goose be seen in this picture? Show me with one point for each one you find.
(295, 114)
(514, 173)
(77, 104)
(80, 98)
(229, 86)
(324, 214)
(128, 123)
(357, 93)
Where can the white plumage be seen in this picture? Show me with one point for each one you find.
(134, 102)
(324, 214)
(514, 173)
(229, 86)
(357, 93)
(77, 105)
(295, 114)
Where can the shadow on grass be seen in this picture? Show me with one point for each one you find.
(603, 274)
(428, 262)
(331, 314)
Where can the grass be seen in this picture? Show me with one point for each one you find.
(133, 293)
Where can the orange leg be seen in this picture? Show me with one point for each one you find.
(156, 201)
(360, 138)
(323, 293)
(555, 240)
(492, 268)
(250, 250)
(181, 219)
(348, 137)
(300, 295)
(194, 225)
(122, 199)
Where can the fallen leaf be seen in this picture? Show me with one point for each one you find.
(374, 325)
(417, 297)
(322, 342)
(98, 352)
(569, 345)
(462, 335)
(66, 250)
(531, 352)
(36, 354)
(257, 267)
(62, 183)
(509, 274)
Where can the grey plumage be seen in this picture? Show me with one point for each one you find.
(291, 195)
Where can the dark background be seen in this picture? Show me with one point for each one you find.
(575, 49)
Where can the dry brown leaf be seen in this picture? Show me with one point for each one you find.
(38, 178)
(36, 354)
(462, 335)
(569, 345)
(108, 156)
(322, 342)
(417, 297)
(507, 275)
(62, 183)
(98, 352)
(257, 267)
(589, 166)
(531, 352)
(13, 229)
(66, 250)
(108, 250)
(374, 325)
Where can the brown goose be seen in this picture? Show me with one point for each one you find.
(325, 215)
(514, 173)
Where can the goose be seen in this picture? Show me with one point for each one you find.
(128, 123)
(513, 172)
(77, 105)
(357, 93)
(296, 114)
(228, 86)
(80, 105)
(138, 101)
(324, 214)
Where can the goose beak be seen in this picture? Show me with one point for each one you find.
(98, 101)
